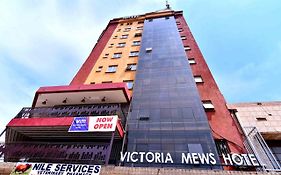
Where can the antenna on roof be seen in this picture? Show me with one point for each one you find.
(167, 5)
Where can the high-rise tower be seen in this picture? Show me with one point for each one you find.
(148, 70)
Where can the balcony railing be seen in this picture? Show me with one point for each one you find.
(74, 111)
(55, 152)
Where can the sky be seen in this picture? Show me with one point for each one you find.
(45, 42)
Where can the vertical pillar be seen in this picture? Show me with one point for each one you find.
(109, 149)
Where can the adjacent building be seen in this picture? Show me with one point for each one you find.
(261, 123)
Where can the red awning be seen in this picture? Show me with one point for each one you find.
(81, 94)
(52, 126)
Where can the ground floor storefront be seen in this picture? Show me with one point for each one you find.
(7, 168)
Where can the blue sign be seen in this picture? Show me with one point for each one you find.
(79, 124)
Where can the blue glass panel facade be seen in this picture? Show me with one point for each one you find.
(166, 111)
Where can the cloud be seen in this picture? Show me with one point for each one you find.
(255, 80)
(46, 42)
(41, 44)
(35, 37)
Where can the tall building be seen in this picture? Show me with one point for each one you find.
(147, 70)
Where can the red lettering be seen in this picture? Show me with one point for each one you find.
(96, 126)
(104, 123)
(109, 119)
(104, 119)
(101, 125)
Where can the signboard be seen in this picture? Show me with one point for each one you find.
(190, 158)
(94, 124)
(79, 124)
(55, 169)
(103, 123)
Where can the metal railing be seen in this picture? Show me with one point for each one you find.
(74, 110)
(255, 144)
(55, 152)
(2, 147)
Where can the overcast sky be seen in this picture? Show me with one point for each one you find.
(45, 42)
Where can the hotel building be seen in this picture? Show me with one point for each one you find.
(149, 71)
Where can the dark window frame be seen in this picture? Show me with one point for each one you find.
(222, 146)
(131, 81)
(107, 71)
(129, 68)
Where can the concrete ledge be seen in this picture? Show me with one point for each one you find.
(115, 170)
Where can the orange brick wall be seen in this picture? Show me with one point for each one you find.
(121, 74)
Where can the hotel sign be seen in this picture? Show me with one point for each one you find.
(94, 124)
(190, 158)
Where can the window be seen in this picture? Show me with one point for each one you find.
(111, 45)
(149, 49)
(142, 147)
(117, 55)
(195, 148)
(127, 29)
(136, 43)
(261, 119)
(180, 29)
(144, 118)
(130, 83)
(129, 23)
(99, 69)
(191, 61)
(139, 28)
(131, 67)
(115, 37)
(106, 55)
(208, 105)
(106, 82)
(118, 30)
(140, 22)
(122, 24)
(92, 82)
(178, 23)
(198, 79)
(138, 35)
(111, 69)
(143, 115)
(134, 54)
(187, 48)
(121, 44)
(222, 146)
(124, 37)
(150, 20)
(183, 37)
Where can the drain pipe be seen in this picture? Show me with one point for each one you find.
(126, 127)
